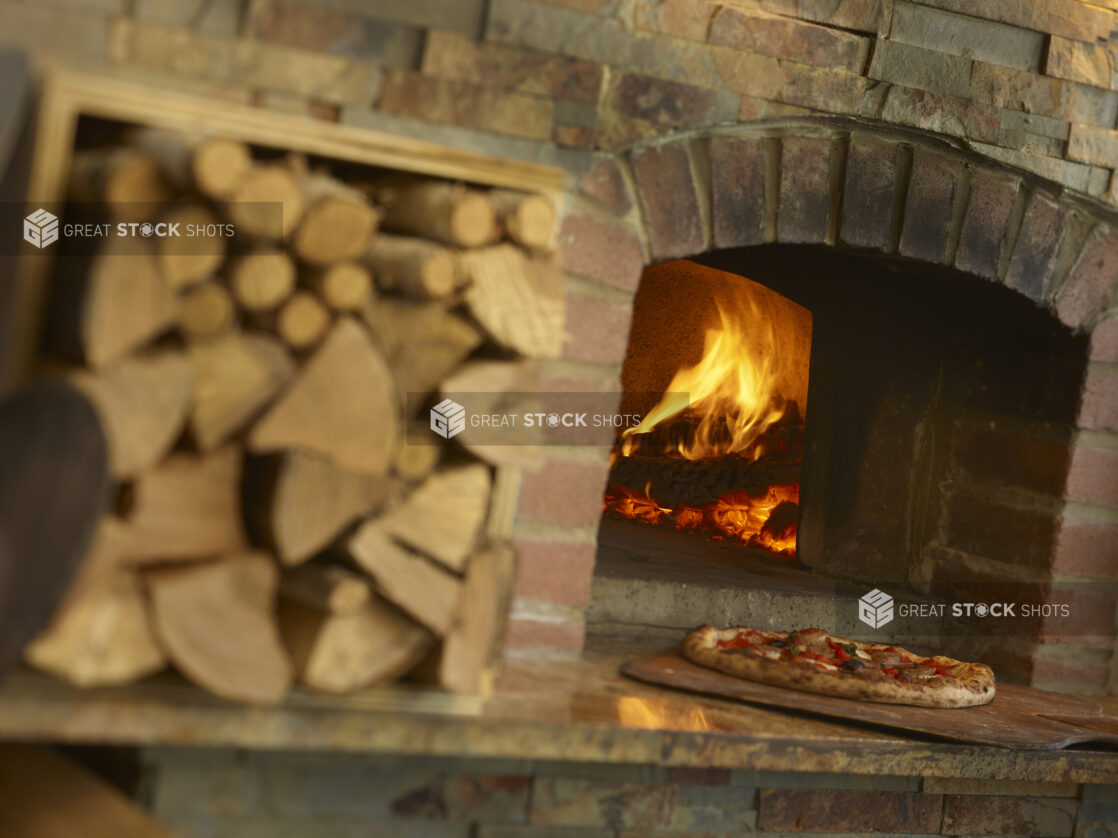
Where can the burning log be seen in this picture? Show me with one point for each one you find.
(676, 482)
(216, 623)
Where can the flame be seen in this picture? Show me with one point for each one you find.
(658, 714)
(736, 516)
(732, 389)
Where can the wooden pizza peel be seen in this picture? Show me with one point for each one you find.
(1021, 718)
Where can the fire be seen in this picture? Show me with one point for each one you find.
(655, 714)
(731, 390)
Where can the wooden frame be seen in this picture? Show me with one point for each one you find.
(67, 95)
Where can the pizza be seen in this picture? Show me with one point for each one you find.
(814, 661)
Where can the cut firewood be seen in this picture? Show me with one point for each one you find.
(187, 508)
(517, 300)
(470, 649)
(100, 635)
(142, 402)
(342, 405)
(413, 267)
(422, 588)
(262, 279)
(302, 321)
(675, 482)
(196, 252)
(424, 342)
(303, 501)
(235, 377)
(499, 387)
(440, 210)
(444, 515)
(216, 622)
(418, 454)
(326, 587)
(128, 180)
(340, 653)
(346, 286)
(206, 311)
(337, 224)
(267, 203)
(529, 220)
(219, 165)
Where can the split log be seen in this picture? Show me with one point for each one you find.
(187, 508)
(252, 205)
(342, 406)
(302, 321)
(423, 342)
(340, 653)
(345, 286)
(529, 220)
(412, 267)
(518, 301)
(100, 635)
(216, 623)
(443, 517)
(675, 482)
(185, 260)
(142, 403)
(326, 587)
(415, 460)
(218, 166)
(337, 224)
(235, 377)
(420, 587)
(438, 209)
(303, 501)
(262, 279)
(127, 180)
(206, 311)
(471, 647)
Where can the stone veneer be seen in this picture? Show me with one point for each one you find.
(690, 125)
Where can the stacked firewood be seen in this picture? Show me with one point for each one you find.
(281, 515)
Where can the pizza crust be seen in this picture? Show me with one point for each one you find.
(971, 684)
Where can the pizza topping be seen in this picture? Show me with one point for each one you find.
(852, 665)
(776, 641)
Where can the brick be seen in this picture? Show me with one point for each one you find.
(1076, 61)
(1089, 548)
(205, 17)
(821, 88)
(454, 56)
(744, 72)
(784, 37)
(1073, 175)
(668, 102)
(555, 572)
(867, 198)
(848, 811)
(495, 830)
(752, 108)
(334, 31)
(1034, 462)
(467, 105)
(465, 16)
(1008, 816)
(1069, 18)
(1022, 91)
(1098, 409)
(986, 528)
(1091, 278)
(957, 34)
(737, 182)
(605, 184)
(667, 190)
(986, 232)
(943, 114)
(1031, 143)
(614, 131)
(525, 634)
(607, 252)
(564, 492)
(1093, 476)
(805, 189)
(1031, 265)
(930, 206)
(1090, 144)
(1031, 123)
(1091, 612)
(1019, 788)
(921, 68)
(572, 136)
(698, 776)
(823, 780)
(856, 15)
(1104, 341)
(597, 330)
(688, 19)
